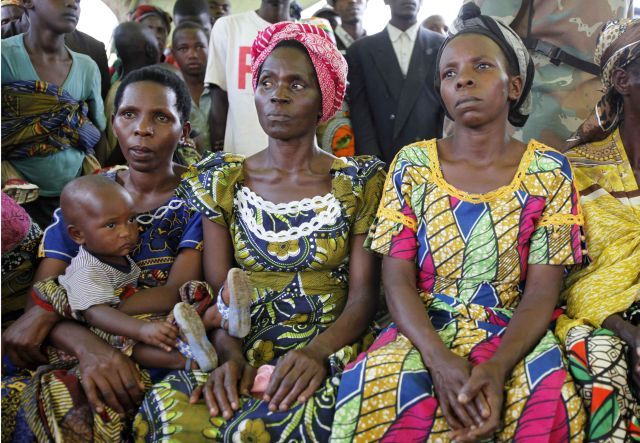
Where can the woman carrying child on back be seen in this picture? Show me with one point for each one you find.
(52, 110)
(475, 230)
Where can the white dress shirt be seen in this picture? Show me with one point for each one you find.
(403, 42)
(344, 36)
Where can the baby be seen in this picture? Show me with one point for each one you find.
(100, 217)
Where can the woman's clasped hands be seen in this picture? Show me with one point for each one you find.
(470, 396)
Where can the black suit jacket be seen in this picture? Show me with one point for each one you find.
(389, 111)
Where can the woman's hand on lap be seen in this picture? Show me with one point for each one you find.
(110, 378)
(22, 340)
(296, 377)
(221, 388)
(487, 380)
(450, 374)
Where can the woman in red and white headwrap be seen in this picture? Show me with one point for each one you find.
(294, 218)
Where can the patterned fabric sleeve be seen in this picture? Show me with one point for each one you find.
(56, 242)
(393, 231)
(192, 235)
(373, 176)
(556, 240)
(209, 186)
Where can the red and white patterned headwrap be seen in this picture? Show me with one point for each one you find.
(329, 64)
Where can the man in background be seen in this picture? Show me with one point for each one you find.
(12, 11)
(218, 8)
(351, 27)
(436, 23)
(136, 47)
(329, 14)
(190, 45)
(156, 19)
(391, 93)
(193, 11)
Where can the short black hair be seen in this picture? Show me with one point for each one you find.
(132, 40)
(162, 77)
(327, 13)
(190, 7)
(187, 25)
(81, 195)
(295, 10)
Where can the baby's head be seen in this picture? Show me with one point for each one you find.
(100, 216)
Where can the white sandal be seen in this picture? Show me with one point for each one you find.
(238, 313)
(191, 326)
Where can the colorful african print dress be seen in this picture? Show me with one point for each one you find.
(471, 252)
(610, 284)
(296, 255)
(49, 404)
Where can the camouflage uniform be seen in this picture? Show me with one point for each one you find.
(562, 96)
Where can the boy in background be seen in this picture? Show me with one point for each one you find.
(190, 46)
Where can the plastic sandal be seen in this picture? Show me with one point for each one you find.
(191, 326)
(239, 303)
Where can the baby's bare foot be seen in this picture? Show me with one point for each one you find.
(226, 294)
(211, 318)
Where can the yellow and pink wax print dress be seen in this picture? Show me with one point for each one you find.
(472, 252)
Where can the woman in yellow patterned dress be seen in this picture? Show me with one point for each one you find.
(295, 219)
(475, 230)
(601, 329)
